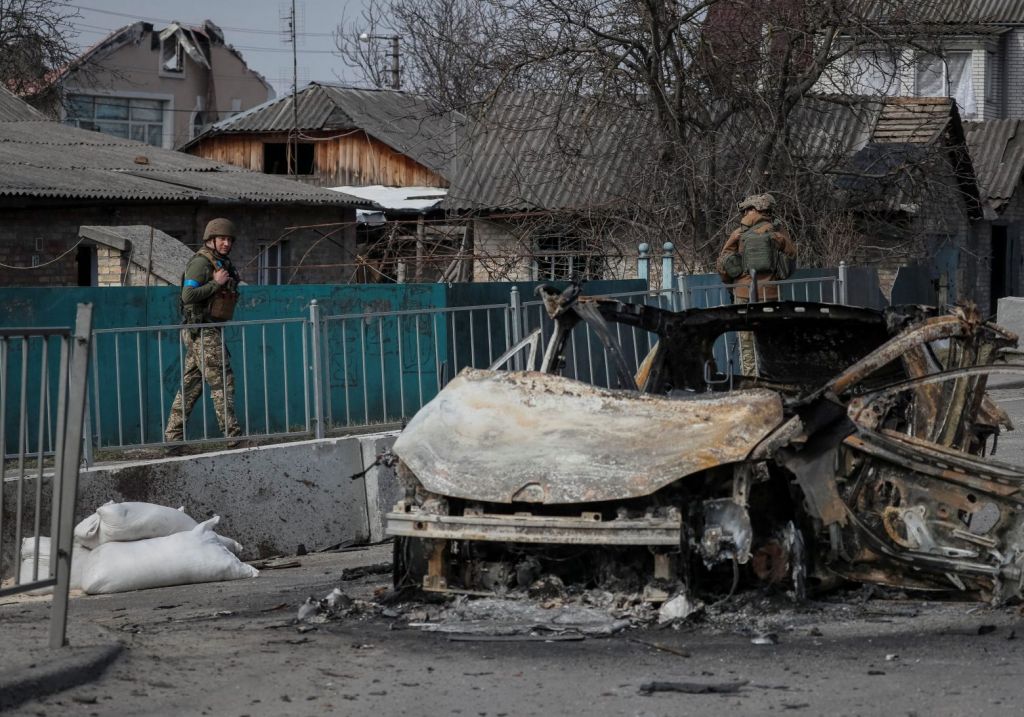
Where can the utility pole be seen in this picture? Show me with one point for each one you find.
(396, 68)
(293, 146)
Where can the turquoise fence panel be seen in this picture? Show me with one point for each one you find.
(137, 370)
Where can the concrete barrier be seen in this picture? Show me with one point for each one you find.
(271, 499)
(382, 487)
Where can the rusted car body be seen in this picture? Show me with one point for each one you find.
(857, 453)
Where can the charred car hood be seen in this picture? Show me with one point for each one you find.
(504, 437)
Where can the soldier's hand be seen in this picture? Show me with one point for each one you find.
(221, 276)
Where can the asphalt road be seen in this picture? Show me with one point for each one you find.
(230, 649)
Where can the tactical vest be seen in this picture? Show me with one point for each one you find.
(220, 306)
(761, 253)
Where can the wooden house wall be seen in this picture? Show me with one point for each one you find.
(355, 159)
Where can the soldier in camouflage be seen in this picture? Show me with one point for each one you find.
(757, 216)
(209, 290)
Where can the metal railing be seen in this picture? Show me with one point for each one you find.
(46, 429)
(142, 369)
(306, 376)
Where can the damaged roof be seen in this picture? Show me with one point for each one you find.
(414, 125)
(997, 147)
(47, 159)
(195, 40)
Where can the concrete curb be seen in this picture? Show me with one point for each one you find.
(54, 671)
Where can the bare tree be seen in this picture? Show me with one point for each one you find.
(720, 90)
(36, 40)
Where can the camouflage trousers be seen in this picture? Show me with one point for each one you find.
(207, 358)
(745, 344)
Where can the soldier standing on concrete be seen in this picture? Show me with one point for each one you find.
(760, 250)
(209, 292)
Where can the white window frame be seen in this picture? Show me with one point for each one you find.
(167, 99)
(268, 272)
(943, 61)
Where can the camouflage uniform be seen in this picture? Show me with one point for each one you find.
(206, 356)
(761, 220)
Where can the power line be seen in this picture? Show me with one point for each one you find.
(147, 18)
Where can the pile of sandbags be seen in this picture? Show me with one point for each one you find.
(28, 554)
(134, 546)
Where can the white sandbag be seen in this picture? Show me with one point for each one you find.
(233, 545)
(195, 556)
(135, 521)
(79, 555)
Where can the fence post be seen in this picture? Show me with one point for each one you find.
(515, 308)
(667, 268)
(682, 292)
(643, 263)
(843, 276)
(318, 393)
(65, 483)
(87, 451)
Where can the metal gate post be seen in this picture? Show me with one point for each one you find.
(682, 292)
(643, 263)
(843, 277)
(667, 270)
(66, 470)
(315, 326)
(515, 309)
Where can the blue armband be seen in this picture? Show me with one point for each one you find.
(191, 283)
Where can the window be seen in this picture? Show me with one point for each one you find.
(276, 154)
(948, 77)
(130, 118)
(560, 258)
(172, 56)
(874, 73)
(271, 261)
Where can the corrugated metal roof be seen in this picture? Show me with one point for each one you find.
(47, 159)
(413, 125)
(997, 148)
(13, 108)
(994, 12)
(532, 151)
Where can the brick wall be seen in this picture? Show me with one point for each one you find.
(324, 254)
(1013, 84)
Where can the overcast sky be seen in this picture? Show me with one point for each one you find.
(253, 26)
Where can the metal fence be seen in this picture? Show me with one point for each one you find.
(48, 427)
(309, 375)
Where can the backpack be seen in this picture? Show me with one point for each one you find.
(761, 253)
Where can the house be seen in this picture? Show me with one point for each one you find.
(546, 190)
(342, 137)
(55, 179)
(158, 86)
(975, 55)
(997, 148)
(395, 148)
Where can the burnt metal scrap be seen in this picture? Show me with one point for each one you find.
(857, 453)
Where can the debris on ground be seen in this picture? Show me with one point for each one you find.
(680, 607)
(693, 688)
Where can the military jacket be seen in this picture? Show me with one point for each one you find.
(198, 287)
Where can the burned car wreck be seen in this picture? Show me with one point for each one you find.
(857, 453)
